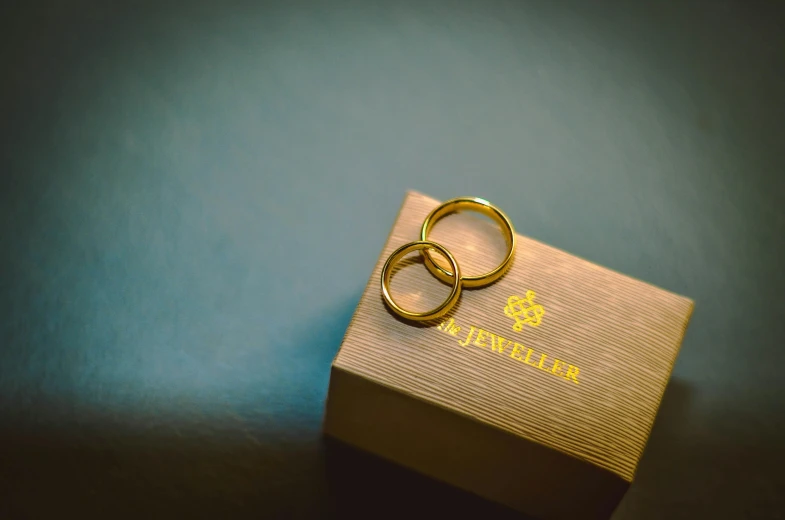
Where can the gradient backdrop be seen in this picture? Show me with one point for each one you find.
(193, 195)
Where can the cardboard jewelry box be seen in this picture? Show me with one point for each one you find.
(538, 391)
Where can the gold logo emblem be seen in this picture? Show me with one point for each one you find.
(524, 311)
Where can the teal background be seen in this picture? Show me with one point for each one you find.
(194, 194)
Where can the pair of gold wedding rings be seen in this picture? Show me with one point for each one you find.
(454, 276)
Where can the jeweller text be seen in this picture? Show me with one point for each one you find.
(482, 338)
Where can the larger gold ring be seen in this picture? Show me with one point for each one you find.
(480, 206)
(439, 311)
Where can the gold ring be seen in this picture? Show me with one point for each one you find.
(439, 311)
(480, 206)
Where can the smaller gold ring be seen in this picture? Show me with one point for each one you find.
(480, 206)
(439, 311)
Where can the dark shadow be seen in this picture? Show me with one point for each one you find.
(366, 486)
(675, 405)
(107, 473)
